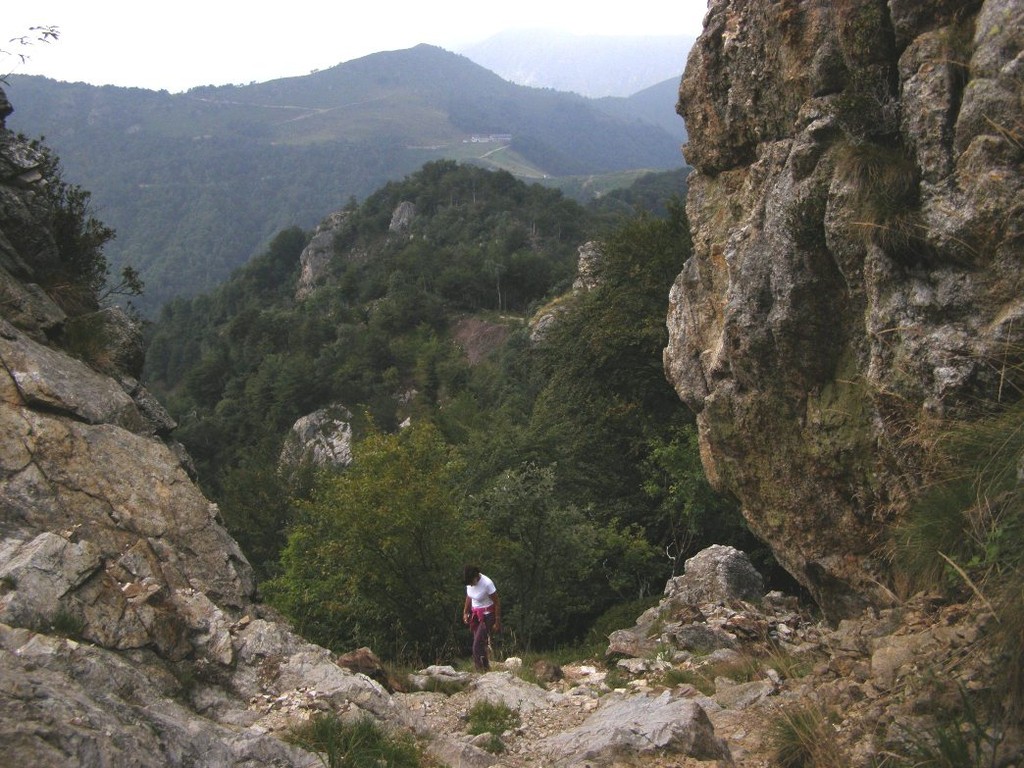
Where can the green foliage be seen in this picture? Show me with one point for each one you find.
(566, 468)
(240, 365)
(608, 419)
(616, 678)
(492, 718)
(619, 616)
(357, 744)
(605, 395)
(78, 279)
(373, 557)
(480, 240)
(703, 676)
(652, 193)
(698, 678)
(692, 516)
(549, 558)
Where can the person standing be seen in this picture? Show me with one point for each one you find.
(482, 613)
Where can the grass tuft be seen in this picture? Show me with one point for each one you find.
(966, 533)
(358, 744)
(66, 624)
(494, 719)
(488, 717)
(802, 737)
(884, 181)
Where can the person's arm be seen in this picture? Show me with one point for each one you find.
(466, 609)
(497, 611)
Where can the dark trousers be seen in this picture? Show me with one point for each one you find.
(481, 633)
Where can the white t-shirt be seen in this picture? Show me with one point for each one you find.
(480, 593)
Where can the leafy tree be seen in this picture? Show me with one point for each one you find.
(606, 395)
(78, 279)
(550, 559)
(690, 515)
(376, 555)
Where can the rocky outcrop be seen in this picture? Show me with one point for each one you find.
(588, 268)
(703, 611)
(317, 254)
(322, 439)
(402, 218)
(129, 629)
(745, 659)
(588, 265)
(856, 213)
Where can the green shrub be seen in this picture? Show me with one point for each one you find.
(447, 687)
(494, 719)
(358, 744)
(790, 666)
(962, 740)
(695, 677)
(615, 678)
(702, 677)
(488, 717)
(619, 616)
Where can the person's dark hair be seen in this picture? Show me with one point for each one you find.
(469, 573)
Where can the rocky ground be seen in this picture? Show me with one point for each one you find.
(880, 687)
(528, 745)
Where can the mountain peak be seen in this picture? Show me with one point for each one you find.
(590, 65)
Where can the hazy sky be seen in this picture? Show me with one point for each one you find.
(181, 44)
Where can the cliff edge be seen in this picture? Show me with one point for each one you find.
(856, 217)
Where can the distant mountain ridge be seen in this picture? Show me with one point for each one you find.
(595, 66)
(657, 105)
(196, 183)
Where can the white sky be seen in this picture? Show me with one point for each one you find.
(182, 44)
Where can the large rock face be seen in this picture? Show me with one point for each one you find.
(129, 632)
(856, 216)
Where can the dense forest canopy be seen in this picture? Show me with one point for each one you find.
(563, 461)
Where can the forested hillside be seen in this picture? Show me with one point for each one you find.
(563, 460)
(197, 183)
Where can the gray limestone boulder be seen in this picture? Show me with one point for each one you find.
(319, 439)
(642, 727)
(718, 574)
(402, 217)
(513, 692)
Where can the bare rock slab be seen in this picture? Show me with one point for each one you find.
(639, 726)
